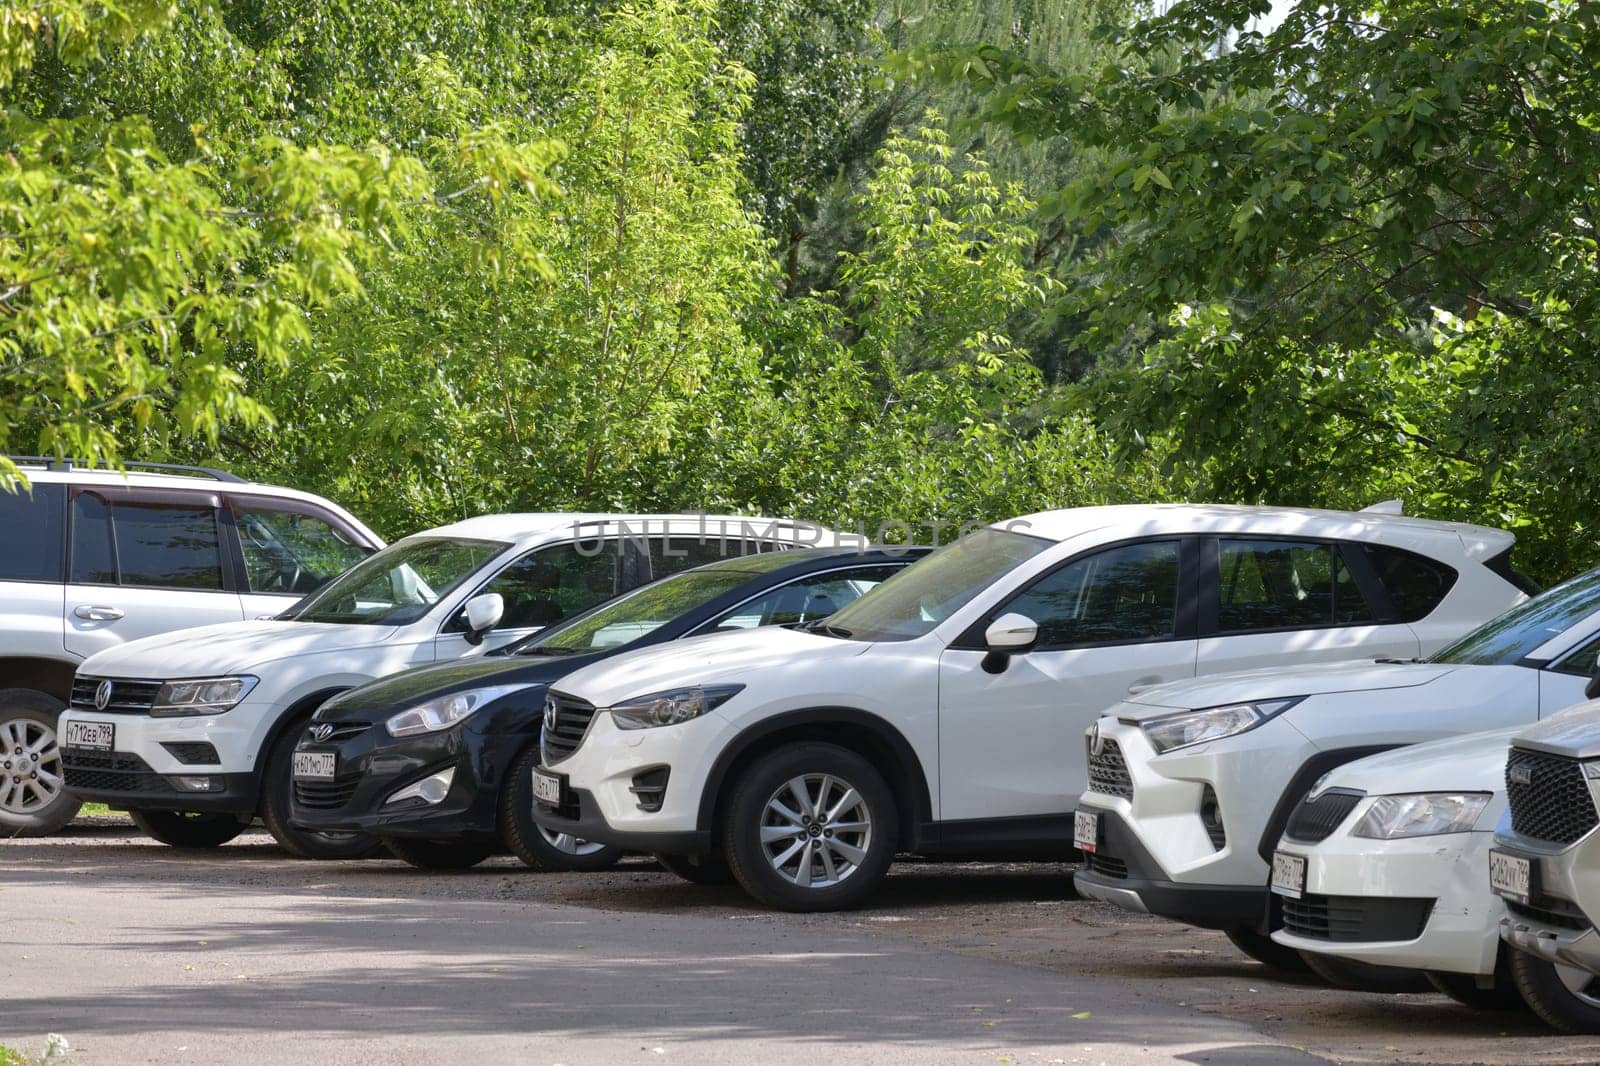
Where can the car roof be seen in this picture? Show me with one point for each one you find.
(591, 523)
(1476, 542)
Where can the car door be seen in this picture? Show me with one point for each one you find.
(1115, 618)
(1273, 601)
(286, 551)
(141, 563)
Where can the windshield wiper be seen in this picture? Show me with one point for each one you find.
(551, 649)
(822, 625)
(1390, 660)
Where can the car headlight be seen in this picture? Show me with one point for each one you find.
(1173, 731)
(1422, 814)
(203, 695)
(670, 708)
(445, 711)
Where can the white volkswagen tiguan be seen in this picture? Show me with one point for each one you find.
(195, 734)
(943, 712)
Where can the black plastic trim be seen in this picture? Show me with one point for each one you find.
(1301, 783)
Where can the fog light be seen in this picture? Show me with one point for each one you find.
(196, 784)
(429, 790)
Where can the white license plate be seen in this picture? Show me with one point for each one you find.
(316, 765)
(1086, 830)
(1510, 876)
(547, 788)
(97, 736)
(1288, 874)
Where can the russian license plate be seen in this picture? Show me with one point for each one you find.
(1288, 874)
(1086, 830)
(315, 765)
(1510, 876)
(96, 736)
(547, 788)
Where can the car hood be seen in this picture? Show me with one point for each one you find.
(714, 658)
(231, 647)
(1218, 689)
(410, 687)
(1475, 762)
(1574, 732)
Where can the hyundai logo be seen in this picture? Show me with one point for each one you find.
(102, 695)
(1520, 775)
(321, 732)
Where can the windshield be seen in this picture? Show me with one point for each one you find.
(398, 585)
(1509, 637)
(930, 590)
(635, 615)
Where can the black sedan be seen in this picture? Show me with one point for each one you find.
(438, 761)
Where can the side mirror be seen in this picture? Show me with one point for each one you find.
(1008, 635)
(483, 613)
(1591, 691)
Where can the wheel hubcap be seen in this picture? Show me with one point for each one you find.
(30, 766)
(816, 830)
(568, 844)
(1583, 985)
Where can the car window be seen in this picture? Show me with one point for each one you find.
(290, 552)
(94, 561)
(804, 600)
(1415, 583)
(398, 585)
(1282, 584)
(150, 545)
(31, 534)
(1508, 637)
(557, 582)
(669, 555)
(1582, 661)
(635, 615)
(1123, 594)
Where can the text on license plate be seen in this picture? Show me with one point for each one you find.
(1288, 874)
(97, 735)
(1510, 876)
(547, 788)
(1086, 830)
(314, 764)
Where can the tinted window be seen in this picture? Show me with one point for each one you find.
(668, 555)
(1509, 637)
(557, 582)
(1583, 662)
(1281, 584)
(1415, 583)
(1119, 595)
(806, 599)
(291, 553)
(94, 562)
(167, 545)
(31, 534)
(636, 615)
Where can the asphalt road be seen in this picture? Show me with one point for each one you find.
(141, 954)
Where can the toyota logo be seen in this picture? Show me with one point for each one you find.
(102, 695)
(321, 732)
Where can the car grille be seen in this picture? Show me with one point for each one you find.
(566, 722)
(324, 795)
(127, 697)
(1106, 865)
(1108, 771)
(1356, 918)
(1552, 911)
(192, 752)
(110, 772)
(1554, 805)
(1317, 817)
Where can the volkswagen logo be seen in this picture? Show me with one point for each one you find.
(321, 732)
(549, 713)
(1520, 775)
(102, 695)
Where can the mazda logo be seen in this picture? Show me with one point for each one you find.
(102, 695)
(549, 714)
(321, 732)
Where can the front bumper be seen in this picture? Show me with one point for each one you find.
(1557, 922)
(141, 771)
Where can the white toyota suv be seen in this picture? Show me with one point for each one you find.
(195, 734)
(91, 559)
(943, 711)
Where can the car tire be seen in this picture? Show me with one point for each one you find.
(190, 830)
(537, 847)
(1566, 999)
(1353, 976)
(698, 869)
(32, 803)
(1463, 988)
(1267, 951)
(770, 825)
(439, 854)
(276, 787)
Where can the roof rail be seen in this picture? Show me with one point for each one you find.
(51, 462)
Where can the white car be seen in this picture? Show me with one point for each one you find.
(1545, 866)
(1387, 865)
(195, 734)
(1192, 785)
(942, 712)
(93, 558)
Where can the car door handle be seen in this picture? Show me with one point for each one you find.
(90, 613)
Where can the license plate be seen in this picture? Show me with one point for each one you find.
(547, 788)
(96, 736)
(1086, 830)
(1510, 876)
(1288, 874)
(316, 765)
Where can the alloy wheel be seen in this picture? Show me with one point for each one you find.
(1583, 985)
(816, 830)
(568, 844)
(30, 766)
